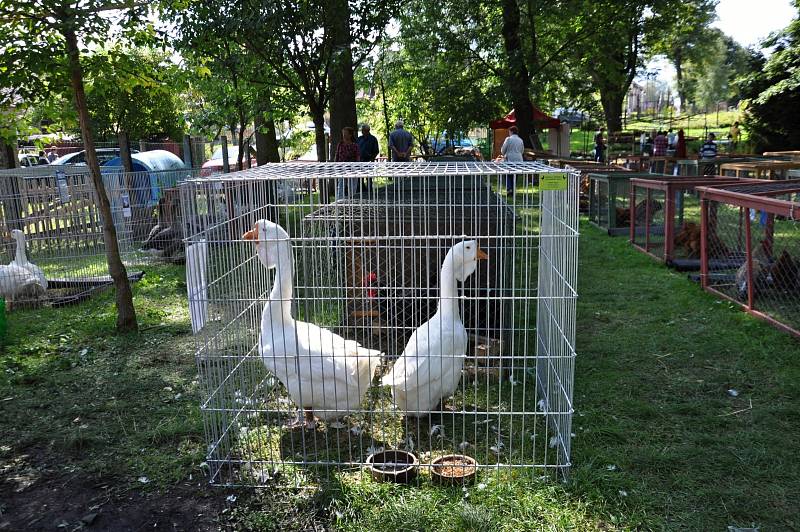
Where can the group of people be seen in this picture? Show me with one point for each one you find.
(365, 149)
(661, 143)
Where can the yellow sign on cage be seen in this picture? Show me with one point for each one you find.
(553, 181)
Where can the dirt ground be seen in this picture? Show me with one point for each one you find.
(39, 494)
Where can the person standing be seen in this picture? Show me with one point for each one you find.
(599, 146)
(680, 145)
(735, 135)
(672, 139)
(346, 151)
(708, 152)
(512, 149)
(367, 145)
(400, 143)
(52, 155)
(660, 145)
(643, 141)
(43, 158)
(368, 150)
(659, 150)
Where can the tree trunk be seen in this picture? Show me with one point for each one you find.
(8, 155)
(266, 141)
(318, 115)
(611, 100)
(267, 152)
(518, 78)
(385, 117)
(240, 143)
(677, 61)
(126, 313)
(342, 85)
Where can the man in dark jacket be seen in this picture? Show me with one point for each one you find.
(368, 148)
(367, 145)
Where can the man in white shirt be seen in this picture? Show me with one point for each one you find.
(512, 150)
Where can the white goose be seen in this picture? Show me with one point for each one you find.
(16, 281)
(21, 258)
(325, 374)
(430, 366)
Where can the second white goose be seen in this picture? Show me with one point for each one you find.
(430, 366)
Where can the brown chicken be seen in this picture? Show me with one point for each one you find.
(624, 215)
(785, 272)
(689, 239)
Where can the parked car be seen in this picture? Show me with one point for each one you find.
(28, 159)
(79, 157)
(214, 165)
(439, 146)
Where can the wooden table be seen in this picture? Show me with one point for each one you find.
(793, 155)
(759, 169)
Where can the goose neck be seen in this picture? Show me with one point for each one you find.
(280, 298)
(448, 301)
(21, 257)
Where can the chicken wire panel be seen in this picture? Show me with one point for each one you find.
(610, 201)
(373, 268)
(752, 253)
(57, 214)
(598, 202)
(666, 222)
(647, 219)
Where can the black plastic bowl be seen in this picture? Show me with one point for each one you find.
(393, 466)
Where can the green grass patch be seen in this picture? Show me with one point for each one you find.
(659, 443)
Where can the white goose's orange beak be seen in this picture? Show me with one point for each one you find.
(481, 255)
(252, 234)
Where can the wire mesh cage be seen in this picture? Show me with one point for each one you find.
(751, 249)
(609, 200)
(666, 221)
(50, 218)
(585, 168)
(453, 308)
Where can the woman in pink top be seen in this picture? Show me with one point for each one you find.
(346, 151)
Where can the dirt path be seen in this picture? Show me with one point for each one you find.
(36, 495)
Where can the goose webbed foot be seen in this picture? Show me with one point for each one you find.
(310, 423)
(298, 422)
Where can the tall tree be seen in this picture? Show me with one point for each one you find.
(356, 27)
(518, 76)
(342, 84)
(134, 90)
(773, 92)
(39, 41)
(685, 38)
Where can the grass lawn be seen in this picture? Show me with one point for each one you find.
(95, 423)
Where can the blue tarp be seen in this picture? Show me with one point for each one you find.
(152, 170)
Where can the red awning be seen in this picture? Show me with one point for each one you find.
(540, 118)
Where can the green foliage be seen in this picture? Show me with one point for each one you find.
(135, 90)
(685, 40)
(33, 62)
(773, 92)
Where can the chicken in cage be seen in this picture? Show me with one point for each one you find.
(426, 315)
(750, 248)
